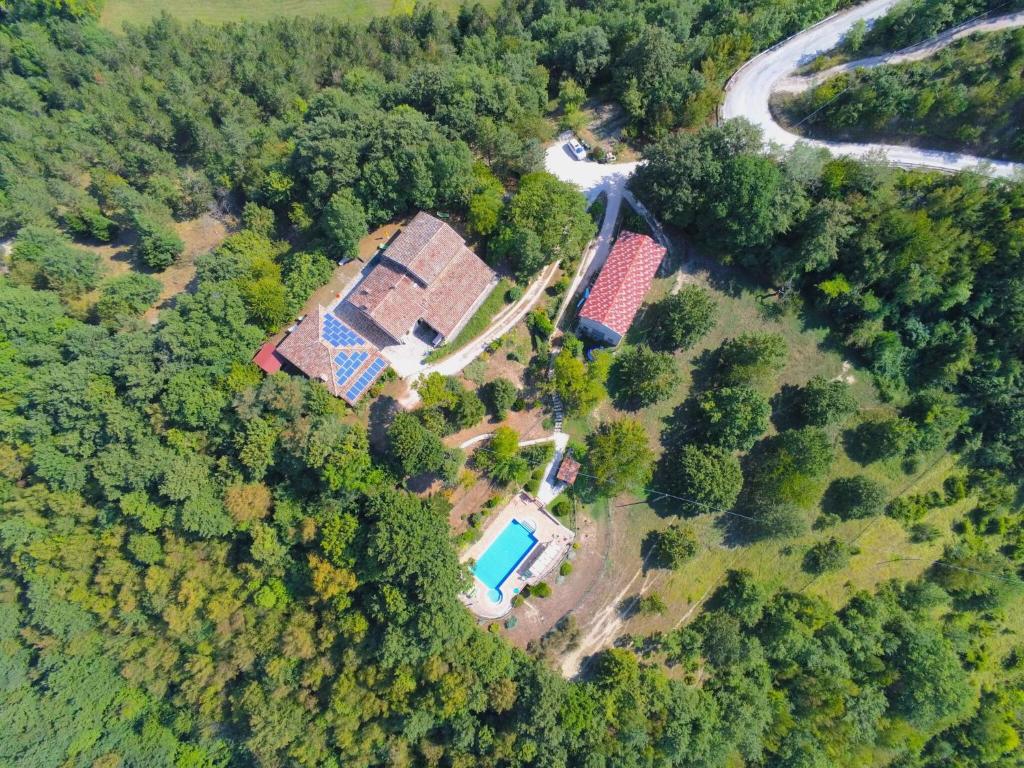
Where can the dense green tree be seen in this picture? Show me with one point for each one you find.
(708, 477)
(674, 545)
(499, 395)
(821, 402)
(853, 497)
(126, 297)
(643, 377)
(880, 438)
(619, 457)
(732, 418)
(159, 245)
(751, 358)
(828, 555)
(45, 258)
(545, 220)
(682, 319)
(343, 224)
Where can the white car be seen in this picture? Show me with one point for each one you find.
(576, 149)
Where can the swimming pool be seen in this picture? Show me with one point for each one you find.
(501, 558)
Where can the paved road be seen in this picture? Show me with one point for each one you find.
(911, 53)
(749, 90)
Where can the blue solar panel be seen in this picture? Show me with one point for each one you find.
(337, 334)
(366, 378)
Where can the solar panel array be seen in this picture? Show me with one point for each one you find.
(368, 377)
(337, 334)
(349, 359)
(348, 363)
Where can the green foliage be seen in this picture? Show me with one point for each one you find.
(789, 467)
(643, 377)
(855, 497)
(682, 319)
(619, 457)
(651, 604)
(821, 402)
(499, 395)
(880, 438)
(159, 245)
(343, 224)
(500, 458)
(751, 358)
(545, 220)
(540, 589)
(126, 297)
(674, 545)
(44, 258)
(706, 475)
(732, 418)
(485, 202)
(580, 386)
(828, 555)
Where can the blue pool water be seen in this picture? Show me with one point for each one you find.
(502, 557)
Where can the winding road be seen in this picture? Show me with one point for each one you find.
(748, 92)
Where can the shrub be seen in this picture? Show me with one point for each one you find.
(674, 545)
(906, 509)
(651, 604)
(565, 568)
(541, 589)
(561, 506)
(922, 532)
(829, 555)
(499, 395)
(855, 497)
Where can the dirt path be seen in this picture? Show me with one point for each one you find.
(605, 625)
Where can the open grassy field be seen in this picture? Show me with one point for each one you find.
(886, 550)
(116, 13)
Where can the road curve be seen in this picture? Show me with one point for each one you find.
(748, 91)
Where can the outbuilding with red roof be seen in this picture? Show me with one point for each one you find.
(620, 288)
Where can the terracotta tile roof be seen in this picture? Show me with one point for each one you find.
(325, 348)
(568, 470)
(425, 246)
(427, 273)
(449, 298)
(624, 281)
(392, 299)
(267, 358)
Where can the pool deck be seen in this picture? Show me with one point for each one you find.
(553, 543)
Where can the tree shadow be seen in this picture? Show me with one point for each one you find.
(381, 413)
(784, 404)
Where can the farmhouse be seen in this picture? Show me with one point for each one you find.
(620, 288)
(427, 282)
(323, 347)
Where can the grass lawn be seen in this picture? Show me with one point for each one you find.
(885, 548)
(492, 305)
(116, 13)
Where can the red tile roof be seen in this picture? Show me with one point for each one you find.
(267, 358)
(427, 273)
(425, 246)
(568, 470)
(623, 282)
(338, 356)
